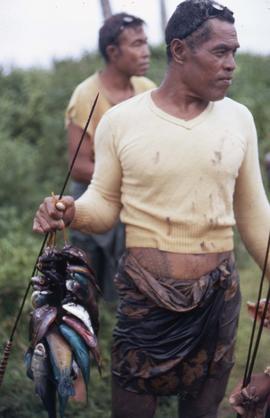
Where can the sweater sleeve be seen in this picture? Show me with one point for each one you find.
(97, 210)
(251, 207)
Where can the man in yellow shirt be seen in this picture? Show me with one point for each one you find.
(123, 46)
(184, 170)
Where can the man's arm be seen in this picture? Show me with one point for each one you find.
(97, 210)
(251, 207)
(84, 165)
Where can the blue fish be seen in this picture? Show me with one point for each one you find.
(81, 352)
(61, 361)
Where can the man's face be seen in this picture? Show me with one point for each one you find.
(208, 69)
(133, 52)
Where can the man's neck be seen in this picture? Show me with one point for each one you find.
(173, 97)
(116, 84)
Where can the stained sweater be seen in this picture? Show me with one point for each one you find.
(178, 185)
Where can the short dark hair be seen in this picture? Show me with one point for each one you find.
(113, 27)
(190, 21)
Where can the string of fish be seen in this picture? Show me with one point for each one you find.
(63, 327)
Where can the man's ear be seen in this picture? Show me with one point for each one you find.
(178, 50)
(112, 52)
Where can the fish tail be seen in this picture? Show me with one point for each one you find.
(65, 387)
(62, 405)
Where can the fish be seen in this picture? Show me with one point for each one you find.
(80, 350)
(80, 312)
(61, 360)
(40, 280)
(83, 290)
(78, 261)
(40, 298)
(76, 255)
(89, 338)
(44, 387)
(79, 285)
(47, 281)
(80, 328)
(86, 270)
(41, 320)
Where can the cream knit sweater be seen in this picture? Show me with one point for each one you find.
(178, 185)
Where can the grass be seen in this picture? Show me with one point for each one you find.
(17, 398)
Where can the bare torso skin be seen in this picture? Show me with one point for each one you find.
(175, 265)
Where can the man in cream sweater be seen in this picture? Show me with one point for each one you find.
(183, 171)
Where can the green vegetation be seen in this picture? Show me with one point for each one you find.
(33, 163)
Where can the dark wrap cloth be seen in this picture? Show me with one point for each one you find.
(171, 334)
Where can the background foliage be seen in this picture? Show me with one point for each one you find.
(33, 163)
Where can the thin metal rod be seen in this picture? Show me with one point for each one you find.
(5, 360)
(252, 357)
(256, 312)
(258, 338)
(79, 146)
(8, 345)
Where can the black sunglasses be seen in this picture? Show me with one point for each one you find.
(208, 11)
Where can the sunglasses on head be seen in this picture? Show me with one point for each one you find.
(126, 21)
(208, 11)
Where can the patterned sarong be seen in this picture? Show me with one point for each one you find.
(172, 334)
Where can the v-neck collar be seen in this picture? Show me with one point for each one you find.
(187, 124)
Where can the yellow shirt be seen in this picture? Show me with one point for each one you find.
(178, 185)
(84, 95)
